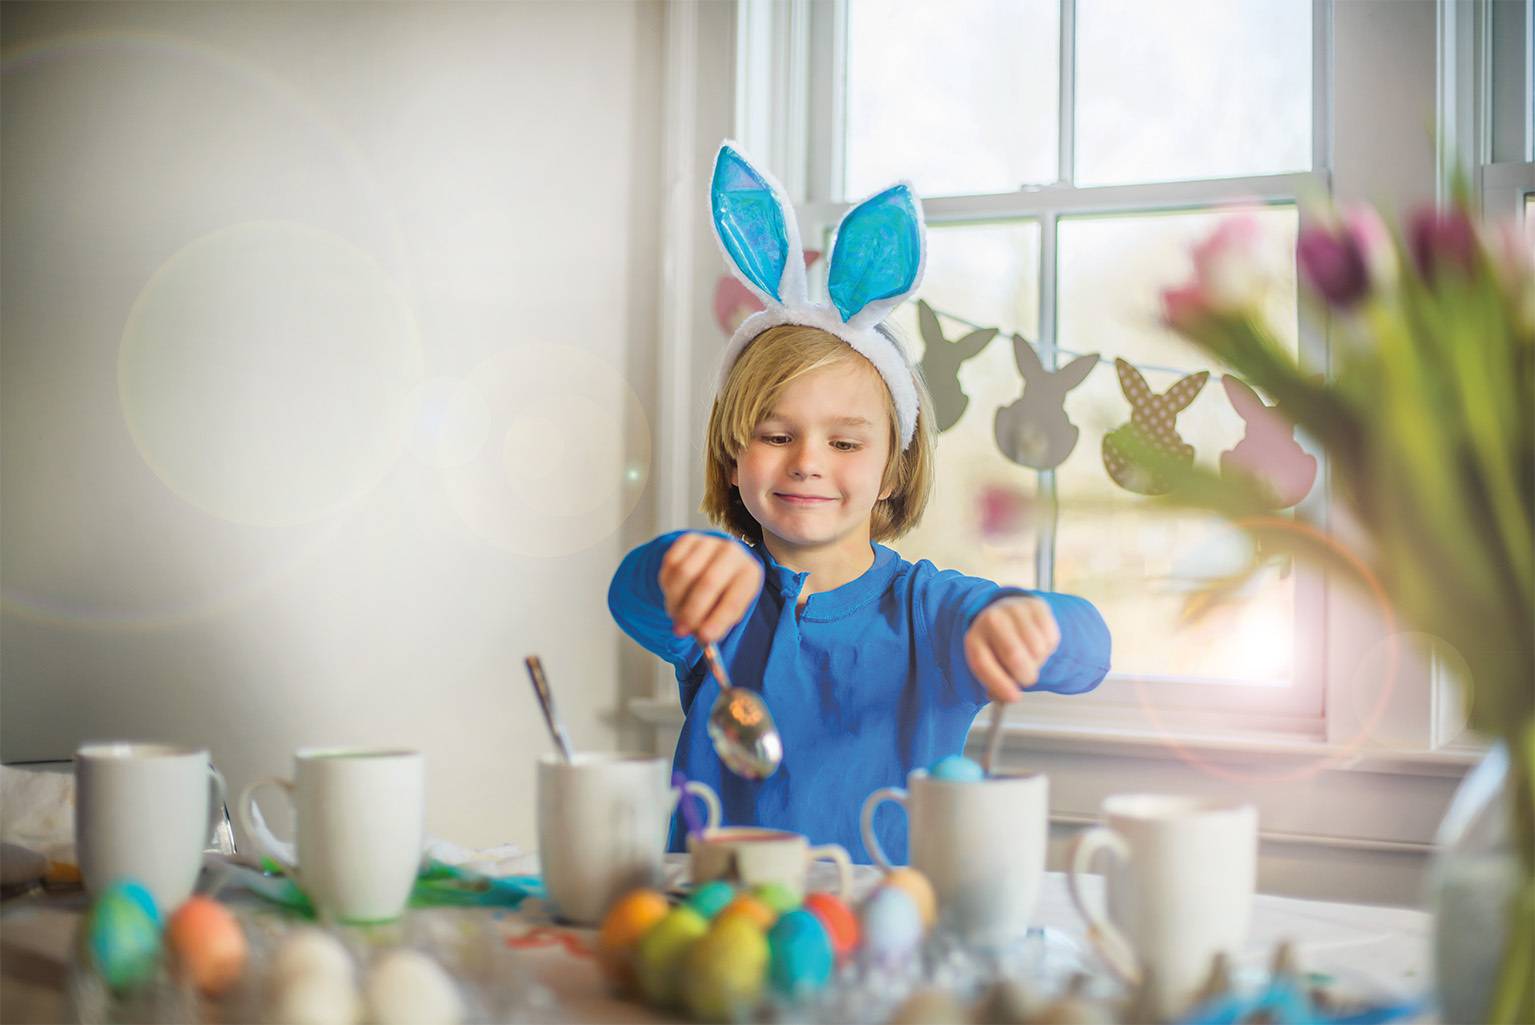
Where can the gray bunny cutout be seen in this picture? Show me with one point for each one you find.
(1035, 431)
(1153, 425)
(941, 360)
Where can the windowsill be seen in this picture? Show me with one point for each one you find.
(1138, 742)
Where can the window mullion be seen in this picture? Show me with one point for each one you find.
(1066, 132)
(1044, 549)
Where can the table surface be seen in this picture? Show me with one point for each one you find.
(1378, 951)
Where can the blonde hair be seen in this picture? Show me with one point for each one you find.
(754, 385)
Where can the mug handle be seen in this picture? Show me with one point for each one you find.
(866, 821)
(837, 854)
(218, 795)
(1111, 944)
(705, 793)
(266, 843)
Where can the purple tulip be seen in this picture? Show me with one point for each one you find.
(1441, 239)
(1333, 264)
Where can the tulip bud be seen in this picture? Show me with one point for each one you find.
(1441, 240)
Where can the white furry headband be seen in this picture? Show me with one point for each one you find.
(876, 262)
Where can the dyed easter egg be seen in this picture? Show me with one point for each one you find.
(405, 987)
(723, 973)
(207, 945)
(122, 937)
(915, 885)
(711, 898)
(802, 955)
(957, 769)
(892, 925)
(627, 921)
(658, 958)
(777, 896)
(141, 896)
(751, 909)
(840, 922)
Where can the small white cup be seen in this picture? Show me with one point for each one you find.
(360, 827)
(602, 822)
(980, 843)
(1179, 888)
(752, 856)
(144, 812)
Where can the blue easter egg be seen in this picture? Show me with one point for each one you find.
(957, 769)
(801, 951)
(141, 896)
(122, 937)
(892, 925)
(710, 898)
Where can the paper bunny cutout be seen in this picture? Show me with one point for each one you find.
(941, 360)
(1035, 431)
(1268, 451)
(1153, 424)
(877, 260)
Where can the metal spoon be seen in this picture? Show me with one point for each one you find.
(993, 738)
(546, 702)
(741, 726)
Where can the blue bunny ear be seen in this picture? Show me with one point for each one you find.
(755, 225)
(877, 259)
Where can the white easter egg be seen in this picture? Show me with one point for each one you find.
(313, 998)
(311, 951)
(405, 987)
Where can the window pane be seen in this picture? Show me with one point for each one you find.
(980, 518)
(1186, 89)
(1112, 547)
(957, 97)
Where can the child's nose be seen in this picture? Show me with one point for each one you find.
(802, 462)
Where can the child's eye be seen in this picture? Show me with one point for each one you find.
(846, 446)
(776, 439)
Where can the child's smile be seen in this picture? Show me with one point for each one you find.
(812, 471)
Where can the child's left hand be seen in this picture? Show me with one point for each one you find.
(1008, 643)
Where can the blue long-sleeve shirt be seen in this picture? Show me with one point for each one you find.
(867, 682)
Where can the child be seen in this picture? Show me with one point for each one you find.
(819, 448)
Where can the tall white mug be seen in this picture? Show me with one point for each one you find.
(1179, 887)
(980, 843)
(602, 822)
(144, 812)
(360, 827)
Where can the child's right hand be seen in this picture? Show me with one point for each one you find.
(709, 583)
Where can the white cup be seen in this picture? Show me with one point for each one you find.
(753, 856)
(602, 823)
(1179, 888)
(144, 812)
(360, 826)
(980, 843)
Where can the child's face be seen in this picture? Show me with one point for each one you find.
(811, 473)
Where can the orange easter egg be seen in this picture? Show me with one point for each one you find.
(753, 909)
(207, 944)
(920, 891)
(841, 924)
(626, 923)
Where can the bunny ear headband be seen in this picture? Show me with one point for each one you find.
(876, 262)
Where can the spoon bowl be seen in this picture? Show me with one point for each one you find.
(741, 727)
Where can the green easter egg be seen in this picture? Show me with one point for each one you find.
(777, 896)
(710, 898)
(658, 958)
(723, 973)
(122, 938)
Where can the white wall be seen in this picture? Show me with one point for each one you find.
(328, 375)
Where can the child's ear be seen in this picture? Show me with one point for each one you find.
(735, 475)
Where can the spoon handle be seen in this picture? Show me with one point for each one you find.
(993, 737)
(546, 702)
(716, 665)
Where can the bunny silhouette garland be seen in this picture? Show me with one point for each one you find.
(1268, 451)
(1035, 431)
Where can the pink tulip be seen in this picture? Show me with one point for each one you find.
(1184, 307)
(1229, 264)
(1374, 242)
(1332, 263)
(1441, 240)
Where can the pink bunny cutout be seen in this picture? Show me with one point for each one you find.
(1153, 425)
(1035, 430)
(1268, 451)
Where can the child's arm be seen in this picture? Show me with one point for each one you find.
(681, 586)
(992, 640)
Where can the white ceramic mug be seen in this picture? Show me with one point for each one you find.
(360, 826)
(980, 843)
(753, 856)
(145, 812)
(602, 823)
(1179, 888)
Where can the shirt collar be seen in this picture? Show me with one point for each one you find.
(839, 601)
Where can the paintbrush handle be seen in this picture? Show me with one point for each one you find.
(546, 702)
